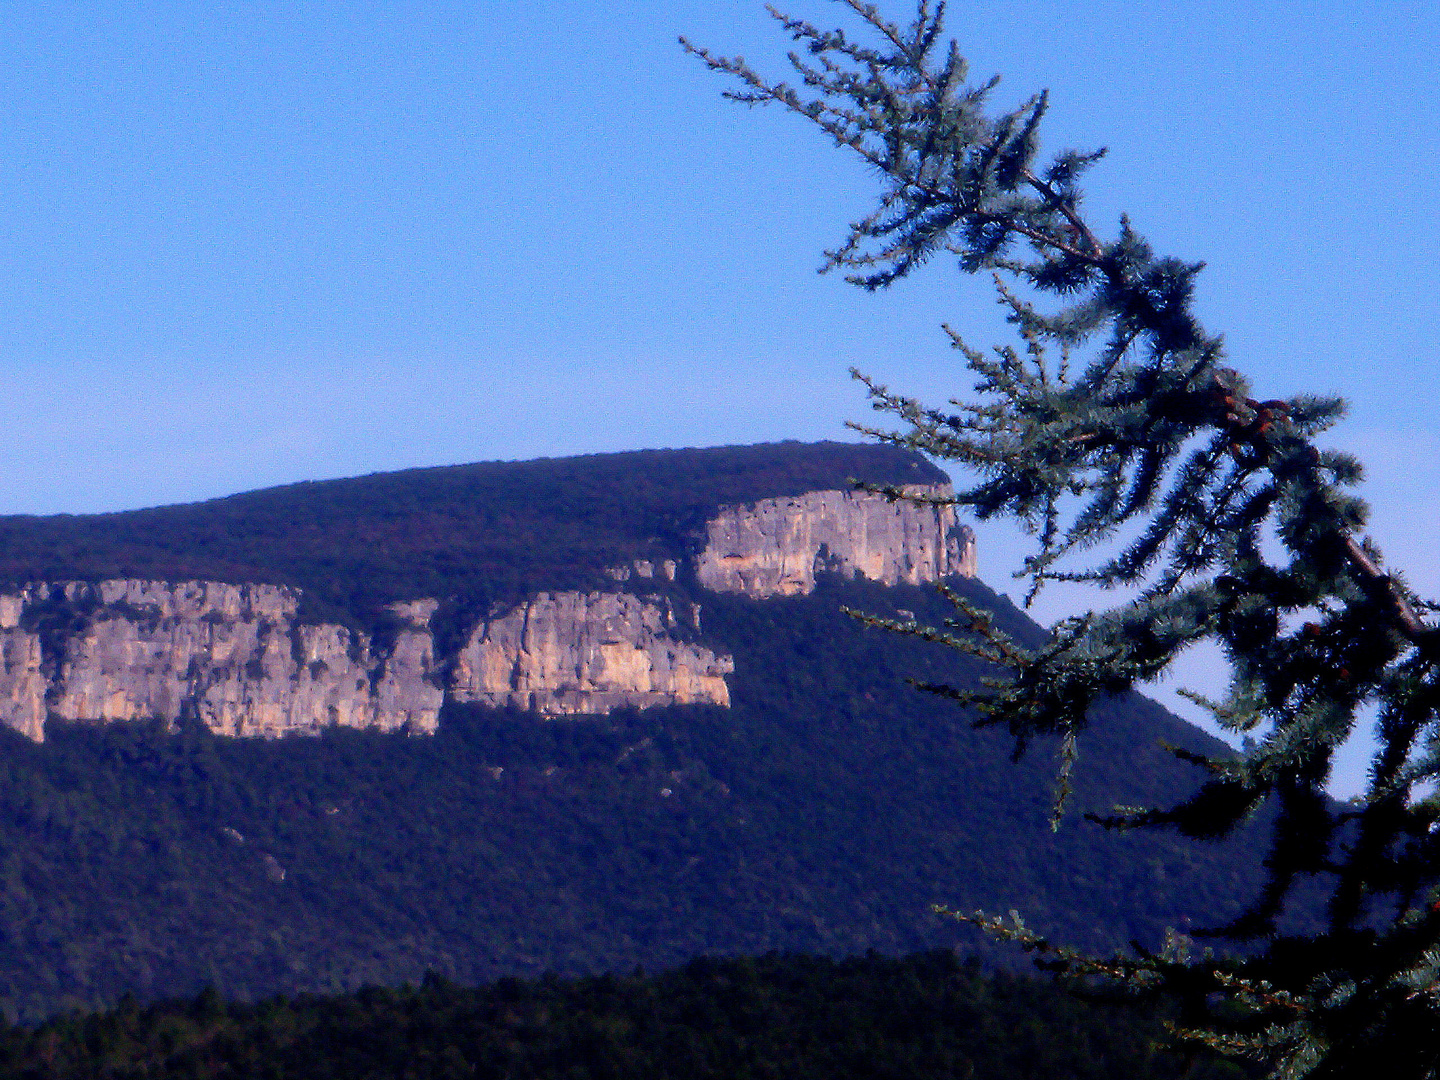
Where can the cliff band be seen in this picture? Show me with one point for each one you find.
(236, 657)
(775, 547)
(588, 653)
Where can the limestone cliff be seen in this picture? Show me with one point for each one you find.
(775, 547)
(232, 656)
(588, 653)
(237, 657)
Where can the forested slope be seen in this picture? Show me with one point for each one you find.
(489, 530)
(922, 1017)
(825, 812)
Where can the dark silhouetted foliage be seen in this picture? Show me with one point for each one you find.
(923, 1017)
(1115, 430)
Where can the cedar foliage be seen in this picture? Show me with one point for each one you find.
(1116, 425)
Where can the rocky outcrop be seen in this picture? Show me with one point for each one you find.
(644, 569)
(231, 656)
(775, 547)
(570, 652)
(235, 658)
(23, 684)
(238, 659)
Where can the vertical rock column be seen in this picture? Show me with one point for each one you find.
(23, 684)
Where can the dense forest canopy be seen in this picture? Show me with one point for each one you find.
(928, 1016)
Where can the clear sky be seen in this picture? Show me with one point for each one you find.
(258, 242)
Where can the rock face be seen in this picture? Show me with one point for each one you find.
(775, 547)
(23, 684)
(237, 658)
(231, 656)
(572, 652)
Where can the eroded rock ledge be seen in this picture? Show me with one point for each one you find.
(231, 656)
(775, 547)
(566, 653)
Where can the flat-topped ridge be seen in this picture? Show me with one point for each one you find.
(493, 531)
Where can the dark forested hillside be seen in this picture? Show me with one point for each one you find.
(825, 812)
(483, 530)
(922, 1017)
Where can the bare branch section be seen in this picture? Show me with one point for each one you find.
(1116, 425)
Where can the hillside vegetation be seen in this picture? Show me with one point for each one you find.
(476, 532)
(825, 812)
(922, 1017)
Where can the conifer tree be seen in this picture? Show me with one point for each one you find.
(1116, 425)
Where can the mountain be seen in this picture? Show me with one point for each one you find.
(611, 560)
(574, 716)
(494, 530)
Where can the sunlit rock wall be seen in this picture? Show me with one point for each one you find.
(231, 656)
(237, 659)
(571, 652)
(775, 547)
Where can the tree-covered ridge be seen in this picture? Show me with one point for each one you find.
(928, 1016)
(824, 812)
(493, 529)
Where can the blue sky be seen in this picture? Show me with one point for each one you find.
(252, 243)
